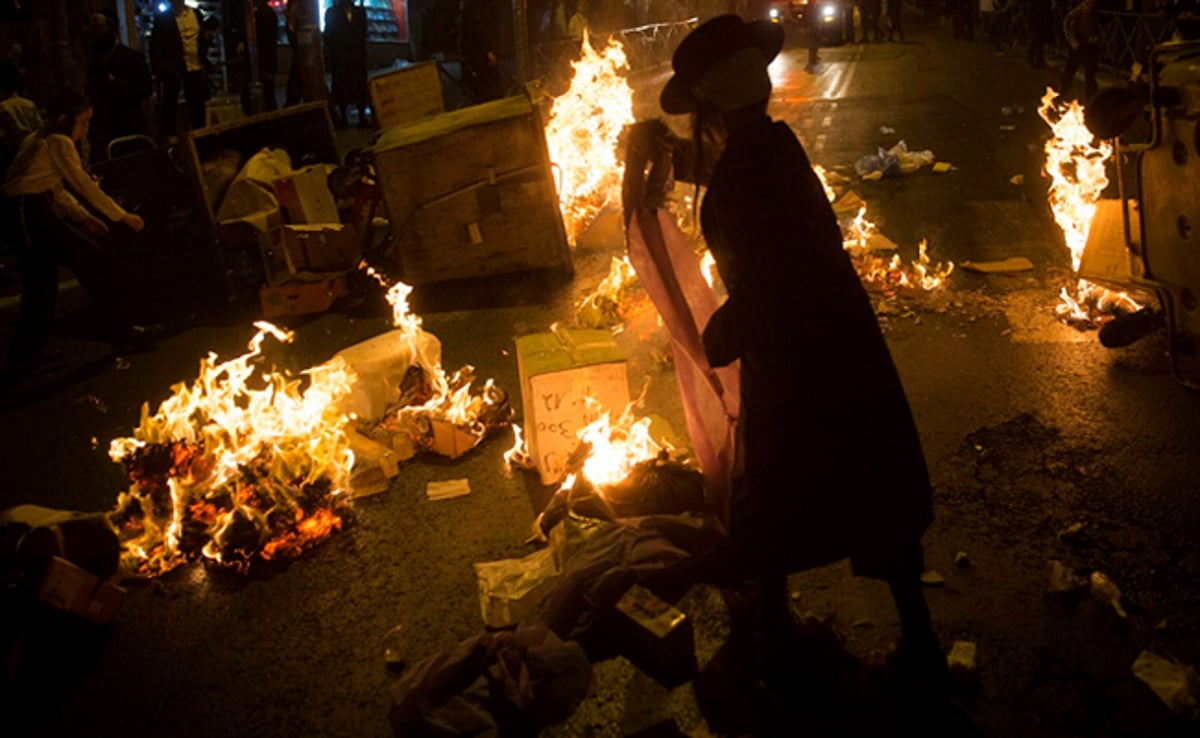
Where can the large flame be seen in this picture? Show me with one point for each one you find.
(617, 445)
(238, 464)
(582, 131)
(433, 396)
(1076, 164)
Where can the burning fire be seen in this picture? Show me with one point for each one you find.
(604, 306)
(429, 396)
(582, 133)
(893, 272)
(616, 446)
(1075, 163)
(228, 471)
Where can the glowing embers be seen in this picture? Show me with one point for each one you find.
(241, 463)
(582, 131)
(1076, 165)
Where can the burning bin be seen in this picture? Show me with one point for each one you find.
(470, 194)
(559, 371)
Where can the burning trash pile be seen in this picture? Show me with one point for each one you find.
(407, 402)
(582, 131)
(863, 241)
(1076, 165)
(240, 464)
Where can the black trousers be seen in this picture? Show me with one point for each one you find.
(195, 95)
(45, 241)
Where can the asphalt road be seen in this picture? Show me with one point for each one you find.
(1029, 427)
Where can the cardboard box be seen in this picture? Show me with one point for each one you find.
(470, 193)
(450, 441)
(301, 298)
(288, 252)
(409, 93)
(70, 588)
(304, 195)
(655, 636)
(558, 372)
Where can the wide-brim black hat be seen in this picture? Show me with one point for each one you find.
(710, 42)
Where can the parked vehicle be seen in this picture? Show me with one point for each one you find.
(824, 16)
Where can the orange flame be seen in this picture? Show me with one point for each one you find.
(582, 131)
(1076, 164)
(449, 398)
(227, 471)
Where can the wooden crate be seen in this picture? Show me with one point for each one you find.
(470, 194)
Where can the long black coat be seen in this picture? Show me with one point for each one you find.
(346, 48)
(830, 465)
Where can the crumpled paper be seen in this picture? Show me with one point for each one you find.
(1176, 684)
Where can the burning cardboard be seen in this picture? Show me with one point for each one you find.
(240, 464)
(560, 370)
(584, 125)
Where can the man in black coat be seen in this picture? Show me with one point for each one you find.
(118, 84)
(179, 54)
(816, 375)
(266, 36)
(346, 50)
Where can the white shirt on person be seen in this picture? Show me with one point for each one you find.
(50, 163)
(189, 33)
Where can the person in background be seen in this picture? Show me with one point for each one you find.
(1081, 28)
(266, 36)
(872, 11)
(121, 77)
(179, 56)
(895, 11)
(45, 178)
(346, 50)
(18, 118)
(18, 115)
(1041, 28)
(804, 495)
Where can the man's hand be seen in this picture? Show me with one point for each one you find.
(134, 221)
(95, 226)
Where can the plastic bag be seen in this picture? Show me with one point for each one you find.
(884, 162)
(911, 161)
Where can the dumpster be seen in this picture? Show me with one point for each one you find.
(470, 193)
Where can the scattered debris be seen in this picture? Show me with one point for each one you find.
(886, 130)
(1105, 590)
(448, 489)
(863, 623)
(1012, 109)
(1070, 532)
(1008, 128)
(123, 363)
(395, 647)
(510, 589)
(94, 401)
(1064, 580)
(961, 661)
(1017, 180)
(931, 578)
(1004, 266)
(962, 560)
(1176, 684)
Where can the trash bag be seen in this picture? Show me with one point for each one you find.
(667, 554)
(657, 487)
(885, 162)
(910, 161)
(510, 683)
(510, 588)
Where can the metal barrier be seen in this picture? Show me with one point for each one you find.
(646, 47)
(1128, 38)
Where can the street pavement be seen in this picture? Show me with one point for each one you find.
(1042, 446)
